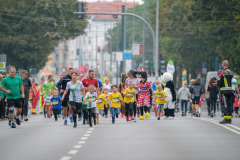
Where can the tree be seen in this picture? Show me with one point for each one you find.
(25, 27)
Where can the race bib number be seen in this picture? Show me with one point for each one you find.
(116, 99)
(100, 100)
(48, 103)
(131, 93)
(91, 99)
(159, 95)
(55, 102)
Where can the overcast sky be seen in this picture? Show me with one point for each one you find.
(110, 0)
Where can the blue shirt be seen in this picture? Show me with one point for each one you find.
(154, 86)
(100, 84)
(56, 102)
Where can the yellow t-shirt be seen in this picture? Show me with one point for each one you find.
(160, 94)
(129, 91)
(106, 96)
(102, 101)
(115, 98)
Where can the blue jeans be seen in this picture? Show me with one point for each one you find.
(182, 103)
(114, 112)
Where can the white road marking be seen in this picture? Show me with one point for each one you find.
(86, 135)
(66, 158)
(91, 129)
(77, 146)
(81, 142)
(84, 138)
(233, 126)
(89, 132)
(72, 151)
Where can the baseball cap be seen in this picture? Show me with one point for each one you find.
(214, 78)
(131, 72)
(24, 72)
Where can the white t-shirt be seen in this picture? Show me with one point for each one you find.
(75, 93)
(107, 86)
(48, 100)
(234, 83)
(91, 100)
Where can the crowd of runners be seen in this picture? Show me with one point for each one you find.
(85, 98)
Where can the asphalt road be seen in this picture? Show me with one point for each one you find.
(182, 138)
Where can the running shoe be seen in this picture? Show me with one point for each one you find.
(25, 119)
(21, 118)
(45, 116)
(75, 125)
(116, 115)
(132, 118)
(65, 122)
(18, 121)
(71, 119)
(80, 118)
(9, 123)
(113, 122)
(90, 124)
(171, 117)
(13, 125)
(141, 118)
(135, 119)
(106, 116)
(55, 119)
(165, 117)
(127, 118)
(97, 121)
(158, 118)
(121, 115)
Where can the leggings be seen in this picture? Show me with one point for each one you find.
(133, 110)
(213, 104)
(145, 109)
(105, 110)
(91, 114)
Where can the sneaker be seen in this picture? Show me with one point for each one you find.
(90, 124)
(132, 118)
(113, 122)
(196, 114)
(211, 115)
(97, 121)
(75, 125)
(21, 118)
(158, 118)
(55, 119)
(182, 114)
(106, 116)
(135, 119)
(225, 121)
(13, 125)
(116, 115)
(214, 114)
(127, 118)
(121, 115)
(171, 117)
(165, 117)
(25, 119)
(9, 123)
(139, 115)
(45, 116)
(185, 115)
(71, 119)
(18, 121)
(65, 122)
(80, 118)
(94, 122)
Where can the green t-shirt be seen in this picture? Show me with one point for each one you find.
(1, 92)
(47, 86)
(12, 84)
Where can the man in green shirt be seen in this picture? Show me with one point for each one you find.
(49, 85)
(12, 85)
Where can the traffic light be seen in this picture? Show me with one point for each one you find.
(147, 66)
(80, 8)
(115, 16)
(99, 49)
(162, 67)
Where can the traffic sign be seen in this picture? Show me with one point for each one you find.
(2, 66)
(199, 71)
(127, 55)
(136, 49)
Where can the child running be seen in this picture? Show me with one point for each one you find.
(48, 105)
(102, 102)
(91, 98)
(236, 105)
(105, 93)
(129, 98)
(160, 96)
(115, 98)
(56, 104)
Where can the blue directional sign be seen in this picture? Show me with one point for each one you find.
(127, 55)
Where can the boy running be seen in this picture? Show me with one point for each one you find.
(56, 103)
(100, 104)
(160, 96)
(48, 105)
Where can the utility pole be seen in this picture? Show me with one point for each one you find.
(157, 30)
(124, 46)
(96, 48)
(111, 47)
(133, 30)
(143, 48)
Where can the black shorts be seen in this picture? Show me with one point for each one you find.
(236, 109)
(15, 102)
(65, 101)
(56, 111)
(78, 106)
(196, 100)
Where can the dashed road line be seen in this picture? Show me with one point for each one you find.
(84, 138)
(86, 135)
(72, 151)
(77, 146)
(81, 142)
(89, 132)
(66, 158)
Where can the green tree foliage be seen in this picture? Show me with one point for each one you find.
(24, 26)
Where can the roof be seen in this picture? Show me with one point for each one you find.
(101, 7)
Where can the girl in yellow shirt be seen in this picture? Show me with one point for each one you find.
(115, 98)
(101, 103)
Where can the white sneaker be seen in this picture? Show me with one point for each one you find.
(165, 117)
(135, 119)
(171, 117)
